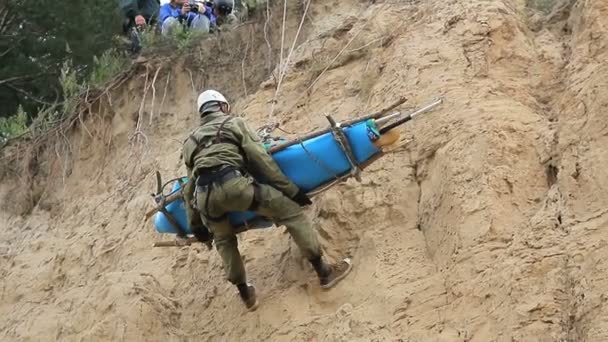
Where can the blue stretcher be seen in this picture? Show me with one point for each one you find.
(310, 165)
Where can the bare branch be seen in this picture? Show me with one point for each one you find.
(12, 47)
(23, 92)
(192, 83)
(243, 63)
(266, 28)
(3, 21)
(86, 102)
(7, 21)
(138, 132)
(162, 102)
(16, 78)
(154, 94)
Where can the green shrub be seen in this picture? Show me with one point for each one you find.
(106, 67)
(13, 125)
(149, 37)
(71, 90)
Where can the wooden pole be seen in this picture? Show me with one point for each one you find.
(375, 115)
(170, 199)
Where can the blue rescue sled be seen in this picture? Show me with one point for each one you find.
(309, 165)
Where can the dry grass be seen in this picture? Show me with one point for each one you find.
(545, 6)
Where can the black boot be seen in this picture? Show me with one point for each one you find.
(247, 293)
(330, 275)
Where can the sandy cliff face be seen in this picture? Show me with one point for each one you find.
(489, 225)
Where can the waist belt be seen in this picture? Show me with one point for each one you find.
(220, 175)
(217, 175)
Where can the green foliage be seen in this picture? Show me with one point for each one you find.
(51, 51)
(107, 66)
(38, 36)
(179, 39)
(149, 37)
(46, 119)
(13, 126)
(71, 89)
(184, 40)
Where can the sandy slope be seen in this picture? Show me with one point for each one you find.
(489, 226)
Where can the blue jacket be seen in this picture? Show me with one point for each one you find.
(167, 10)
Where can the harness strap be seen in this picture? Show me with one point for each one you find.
(257, 197)
(209, 182)
(340, 137)
(219, 218)
(218, 140)
(255, 201)
(218, 134)
(214, 177)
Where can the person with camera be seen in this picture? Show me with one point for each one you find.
(223, 12)
(190, 14)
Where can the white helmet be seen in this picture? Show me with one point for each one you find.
(210, 96)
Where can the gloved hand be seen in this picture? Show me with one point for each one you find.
(301, 198)
(202, 234)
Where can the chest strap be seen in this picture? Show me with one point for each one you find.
(217, 140)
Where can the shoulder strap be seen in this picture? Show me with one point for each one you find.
(218, 134)
(218, 140)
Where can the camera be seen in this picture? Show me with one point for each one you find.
(193, 6)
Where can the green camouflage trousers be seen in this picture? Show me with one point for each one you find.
(237, 195)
